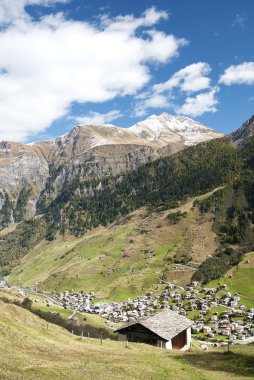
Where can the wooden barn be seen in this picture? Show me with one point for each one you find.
(165, 329)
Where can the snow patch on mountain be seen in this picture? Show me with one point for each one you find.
(155, 131)
(170, 128)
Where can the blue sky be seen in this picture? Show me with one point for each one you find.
(64, 63)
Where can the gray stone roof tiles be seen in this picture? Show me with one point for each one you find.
(166, 324)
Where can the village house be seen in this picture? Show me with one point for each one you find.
(165, 329)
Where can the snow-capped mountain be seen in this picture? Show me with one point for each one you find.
(94, 151)
(154, 132)
(166, 129)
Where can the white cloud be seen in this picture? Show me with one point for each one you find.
(129, 23)
(238, 74)
(94, 118)
(13, 10)
(239, 21)
(191, 78)
(153, 100)
(201, 103)
(47, 65)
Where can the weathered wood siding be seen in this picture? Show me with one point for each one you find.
(140, 334)
(180, 340)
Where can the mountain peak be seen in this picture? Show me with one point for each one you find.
(169, 129)
(156, 132)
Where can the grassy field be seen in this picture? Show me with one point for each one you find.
(124, 260)
(240, 279)
(31, 350)
(89, 324)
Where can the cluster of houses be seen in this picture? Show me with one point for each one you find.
(215, 312)
(75, 300)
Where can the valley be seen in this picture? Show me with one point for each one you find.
(218, 310)
(170, 231)
(125, 258)
(126, 190)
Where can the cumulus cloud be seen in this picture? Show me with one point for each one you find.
(200, 104)
(152, 100)
(191, 78)
(130, 23)
(238, 74)
(13, 10)
(94, 118)
(47, 65)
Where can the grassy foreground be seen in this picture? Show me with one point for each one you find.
(29, 350)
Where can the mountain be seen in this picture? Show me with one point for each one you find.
(21, 166)
(238, 137)
(155, 132)
(157, 135)
(71, 204)
(167, 129)
(88, 151)
(213, 237)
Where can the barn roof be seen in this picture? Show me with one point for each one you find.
(166, 324)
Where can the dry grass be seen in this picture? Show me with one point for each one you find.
(29, 350)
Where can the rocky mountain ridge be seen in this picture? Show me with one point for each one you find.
(155, 132)
(238, 137)
(93, 151)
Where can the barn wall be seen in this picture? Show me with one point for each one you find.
(181, 341)
(141, 334)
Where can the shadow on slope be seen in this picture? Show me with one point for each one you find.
(238, 362)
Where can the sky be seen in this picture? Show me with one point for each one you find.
(70, 62)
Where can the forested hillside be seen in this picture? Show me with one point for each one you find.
(159, 185)
(233, 209)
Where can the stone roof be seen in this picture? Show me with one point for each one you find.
(166, 324)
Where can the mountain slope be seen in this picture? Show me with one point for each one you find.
(101, 150)
(83, 205)
(124, 258)
(238, 137)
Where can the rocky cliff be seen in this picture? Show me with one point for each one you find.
(240, 135)
(89, 151)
